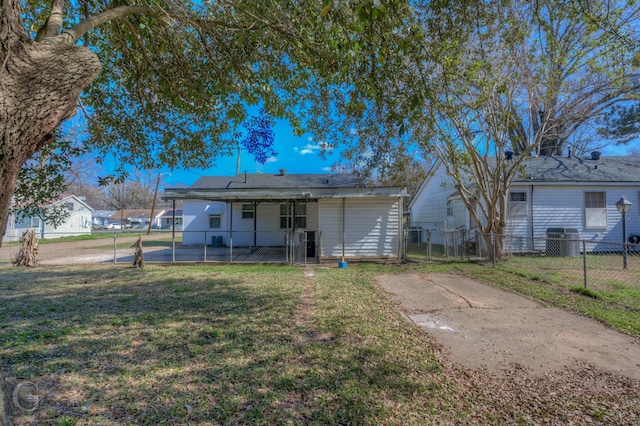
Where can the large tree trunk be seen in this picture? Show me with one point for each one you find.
(39, 86)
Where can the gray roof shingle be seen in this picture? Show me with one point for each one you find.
(277, 181)
(581, 169)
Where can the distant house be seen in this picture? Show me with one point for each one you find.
(332, 215)
(78, 221)
(166, 219)
(100, 218)
(131, 218)
(552, 192)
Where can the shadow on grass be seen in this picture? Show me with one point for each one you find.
(189, 344)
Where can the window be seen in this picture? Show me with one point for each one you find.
(69, 206)
(247, 211)
(595, 210)
(214, 221)
(517, 204)
(35, 222)
(449, 208)
(286, 212)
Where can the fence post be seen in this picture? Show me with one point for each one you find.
(493, 244)
(454, 240)
(584, 262)
(287, 249)
(115, 248)
(205, 244)
(446, 243)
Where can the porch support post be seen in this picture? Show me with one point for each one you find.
(255, 223)
(231, 232)
(344, 202)
(173, 233)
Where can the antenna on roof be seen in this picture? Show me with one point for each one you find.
(238, 164)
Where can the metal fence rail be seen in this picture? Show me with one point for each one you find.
(565, 260)
(168, 246)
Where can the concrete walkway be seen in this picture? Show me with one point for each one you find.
(487, 327)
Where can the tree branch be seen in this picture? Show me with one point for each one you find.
(52, 26)
(74, 34)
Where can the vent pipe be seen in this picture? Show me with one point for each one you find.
(595, 155)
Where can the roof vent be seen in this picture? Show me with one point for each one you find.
(595, 155)
(508, 155)
(282, 172)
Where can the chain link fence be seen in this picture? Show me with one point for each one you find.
(167, 246)
(560, 257)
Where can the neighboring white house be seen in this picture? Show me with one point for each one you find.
(100, 218)
(340, 219)
(167, 218)
(553, 192)
(132, 218)
(78, 222)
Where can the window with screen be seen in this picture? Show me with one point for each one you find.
(595, 210)
(214, 221)
(286, 212)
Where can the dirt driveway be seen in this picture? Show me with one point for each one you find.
(487, 327)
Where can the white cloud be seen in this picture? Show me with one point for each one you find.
(271, 160)
(311, 148)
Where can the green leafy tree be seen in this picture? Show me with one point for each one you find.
(41, 181)
(469, 80)
(162, 82)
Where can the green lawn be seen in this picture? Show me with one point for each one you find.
(191, 344)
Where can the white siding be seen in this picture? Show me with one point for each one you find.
(195, 219)
(429, 208)
(548, 206)
(563, 207)
(268, 231)
(372, 227)
(460, 215)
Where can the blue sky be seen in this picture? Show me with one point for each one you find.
(296, 154)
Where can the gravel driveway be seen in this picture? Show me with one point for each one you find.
(487, 327)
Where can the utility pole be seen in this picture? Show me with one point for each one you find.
(155, 195)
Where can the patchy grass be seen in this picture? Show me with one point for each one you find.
(193, 344)
(256, 344)
(585, 292)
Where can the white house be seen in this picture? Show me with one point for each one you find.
(169, 218)
(336, 216)
(552, 192)
(78, 221)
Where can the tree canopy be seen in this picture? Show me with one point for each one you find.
(467, 81)
(161, 82)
